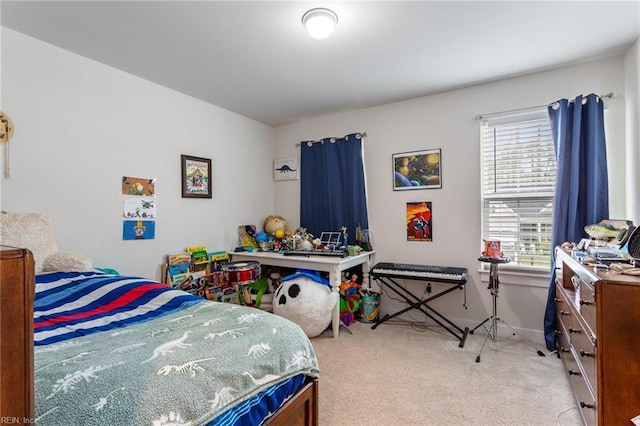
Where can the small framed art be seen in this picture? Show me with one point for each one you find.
(196, 177)
(417, 170)
(419, 221)
(286, 169)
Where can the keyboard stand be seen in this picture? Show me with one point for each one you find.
(420, 304)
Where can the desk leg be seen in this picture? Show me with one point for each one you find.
(334, 279)
(366, 283)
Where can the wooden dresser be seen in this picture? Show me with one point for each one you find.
(598, 327)
(16, 335)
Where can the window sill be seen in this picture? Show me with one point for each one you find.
(518, 277)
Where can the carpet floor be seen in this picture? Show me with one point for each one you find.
(404, 374)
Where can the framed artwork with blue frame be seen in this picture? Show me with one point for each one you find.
(417, 170)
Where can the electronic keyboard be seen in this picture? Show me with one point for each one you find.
(333, 253)
(446, 274)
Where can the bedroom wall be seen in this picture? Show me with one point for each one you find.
(444, 121)
(81, 126)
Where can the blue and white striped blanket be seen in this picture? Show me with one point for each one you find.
(73, 304)
(124, 350)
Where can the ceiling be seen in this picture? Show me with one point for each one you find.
(254, 58)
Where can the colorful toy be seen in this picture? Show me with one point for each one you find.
(273, 223)
(306, 299)
(349, 300)
(274, 279)
(303, 239)
(260, 286)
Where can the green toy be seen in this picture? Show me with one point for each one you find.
(260, 286)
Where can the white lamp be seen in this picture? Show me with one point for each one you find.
(319, 22)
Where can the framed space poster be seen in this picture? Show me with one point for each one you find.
(196, 177)
(417, 170)
(419, 223)
(286, 169)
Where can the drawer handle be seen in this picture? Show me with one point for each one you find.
(573, 330)
(585, 405)
(587, 354)
(563, 349)
(558, 333)
(556, 300)
(573, 373)
(585, 302)
(565, 313)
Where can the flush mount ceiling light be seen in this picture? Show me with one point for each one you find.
(319, 22)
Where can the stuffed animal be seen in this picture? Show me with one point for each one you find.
(306, 299)
(349, 300)
(274, 223)
(260, 287)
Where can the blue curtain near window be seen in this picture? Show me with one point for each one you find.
(582, 187)
(332, 186)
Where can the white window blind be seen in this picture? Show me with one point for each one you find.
(518, 186)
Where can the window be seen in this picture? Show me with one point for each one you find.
(518, 185)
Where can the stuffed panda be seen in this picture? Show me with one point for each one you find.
(307, 300)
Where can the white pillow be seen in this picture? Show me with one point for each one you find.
(67, 262)
(32, 231)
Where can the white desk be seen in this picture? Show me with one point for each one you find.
(333, 265)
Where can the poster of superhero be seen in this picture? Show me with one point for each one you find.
(419, 221)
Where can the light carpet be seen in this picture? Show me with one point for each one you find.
(399, 374)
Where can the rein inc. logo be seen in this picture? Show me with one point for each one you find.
(7, 420)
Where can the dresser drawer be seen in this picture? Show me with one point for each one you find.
(587, 302)
(566, 312)
(585, 353)
(564, 346)
(581, 390)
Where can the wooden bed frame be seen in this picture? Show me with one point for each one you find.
(301, 409)
(16, 356)
(16, 334)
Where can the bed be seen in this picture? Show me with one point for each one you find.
(112, 349)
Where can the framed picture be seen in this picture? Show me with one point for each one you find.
(286, 169)
(417, 170)
(419, 221)
(196, 177)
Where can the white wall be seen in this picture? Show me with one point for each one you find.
(81, 126)
(444, 121)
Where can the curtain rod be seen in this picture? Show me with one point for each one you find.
(362, 135)
(491, 114)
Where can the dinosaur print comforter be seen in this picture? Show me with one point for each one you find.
(140, 353)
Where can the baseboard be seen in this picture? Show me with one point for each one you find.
(535, 337)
